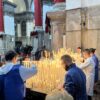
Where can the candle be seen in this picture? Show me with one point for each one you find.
(50, 72)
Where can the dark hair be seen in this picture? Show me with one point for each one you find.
(92, 50)
(66, 58)
(79, 48)
(87, 51)
(10, 55)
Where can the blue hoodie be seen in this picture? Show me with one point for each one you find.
(12, 79)
(75, 83)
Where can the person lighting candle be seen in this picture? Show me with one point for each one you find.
(13, 76)
(89, 69)
(75, 79)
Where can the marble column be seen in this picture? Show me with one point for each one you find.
(1, 17)
(57, 28)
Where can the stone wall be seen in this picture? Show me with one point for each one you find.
(7, 43)
(73, 28)
(83, 28)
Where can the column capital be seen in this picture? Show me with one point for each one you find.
(57, 16)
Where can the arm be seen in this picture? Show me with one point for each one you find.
(27, 73)
(85, 64)
(69, 85)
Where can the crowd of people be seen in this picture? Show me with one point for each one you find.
(78, 84)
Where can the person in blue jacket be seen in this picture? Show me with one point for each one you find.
(75, 79)
(13, 77)
(96, 61)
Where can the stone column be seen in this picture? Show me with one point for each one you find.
(19, 30)
(1, 17)
(57, 16)
(58, 28)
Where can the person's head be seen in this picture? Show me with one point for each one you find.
(59, 95)
(92, 51)
(86, 53)
(26, 58)
(11, 56)
(66, 61)
(79, 49)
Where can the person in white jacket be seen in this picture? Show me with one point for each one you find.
(89, 69)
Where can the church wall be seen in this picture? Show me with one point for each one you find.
(73, 39)
(89, 39)
(73, 28)
(86, 36)
(73, 4)
(93, 28)
(9, 25)
(90, 35)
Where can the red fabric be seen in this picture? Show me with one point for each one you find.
(1, 17)
(57, 1)
(38, 13)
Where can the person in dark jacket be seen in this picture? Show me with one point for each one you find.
(75, 79)
(96, 61)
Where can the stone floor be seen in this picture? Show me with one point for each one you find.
(97, 91)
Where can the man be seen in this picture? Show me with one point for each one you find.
(75, 80)
(96, 61)
(13, 76)
(88, 68)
